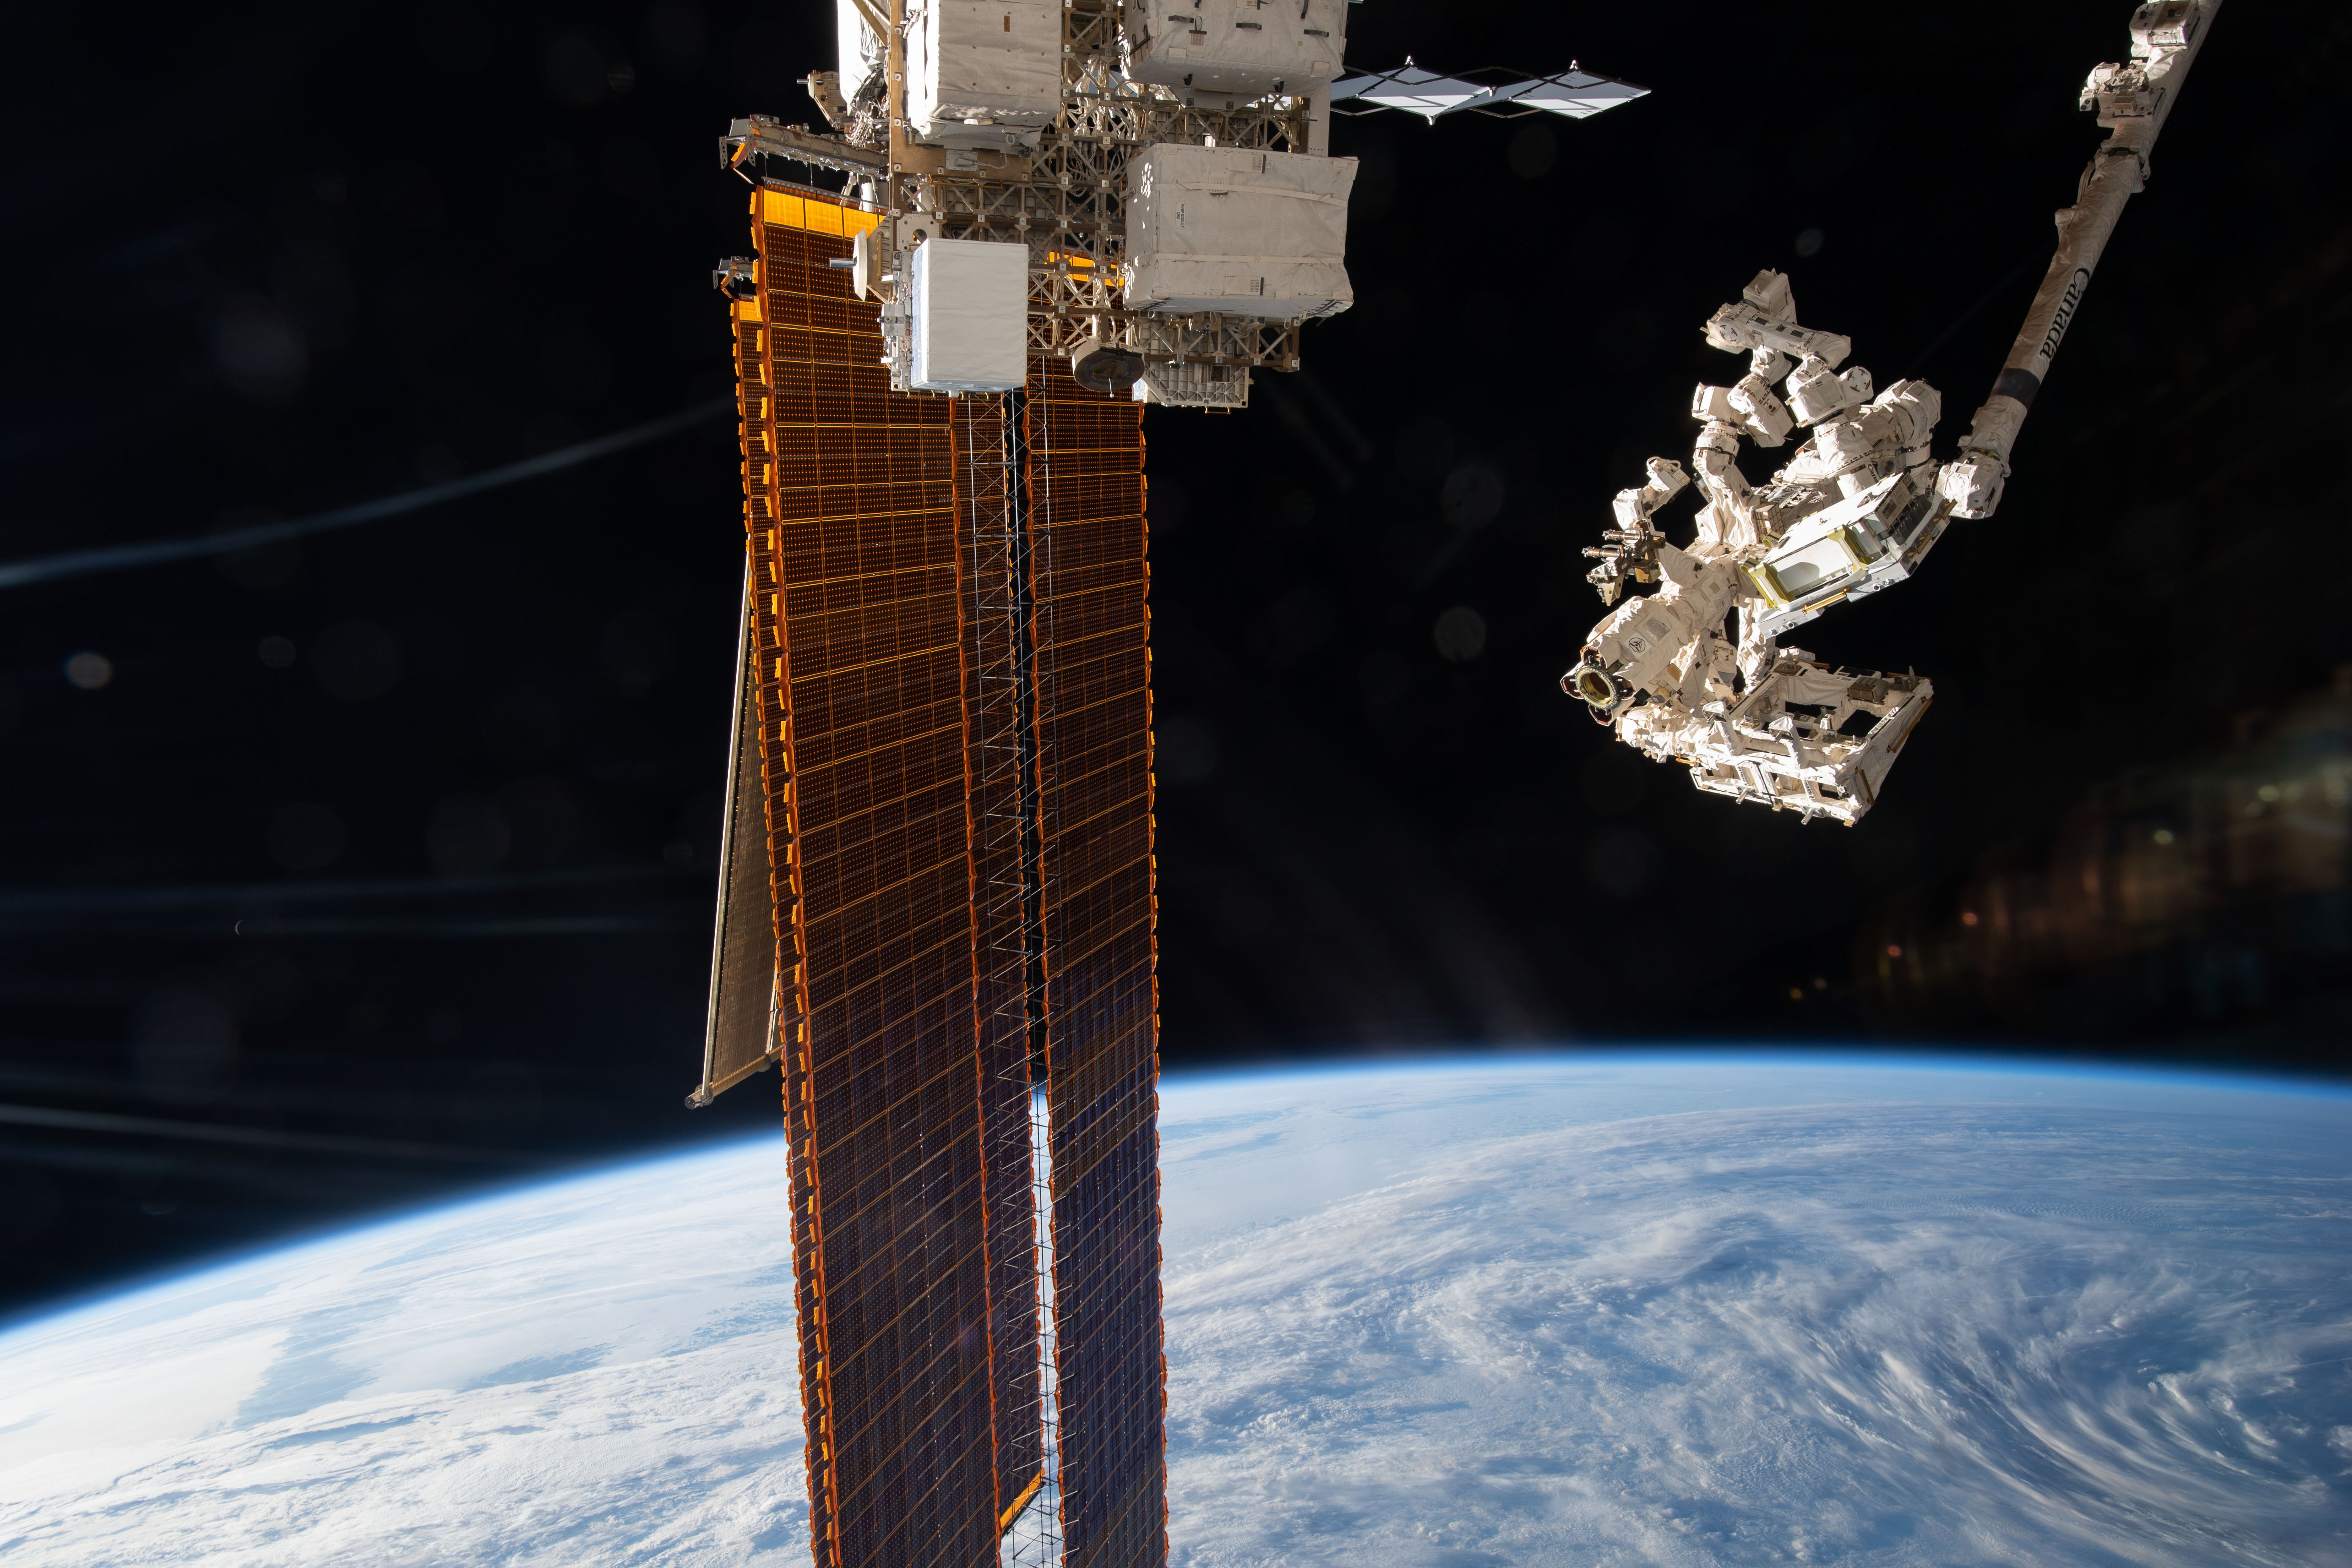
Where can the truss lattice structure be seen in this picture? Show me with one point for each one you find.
(1066, 201)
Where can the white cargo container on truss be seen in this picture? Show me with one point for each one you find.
(1236, 49)
(982, 73)
(967, 305)
(1244, 232)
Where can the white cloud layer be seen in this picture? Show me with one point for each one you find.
(597, 1371)
(1580, 1313)
(1922, 1333)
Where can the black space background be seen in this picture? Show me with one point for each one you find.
(273, 260)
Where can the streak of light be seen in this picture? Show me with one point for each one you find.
(1440, 561)
(526, 925)
(1364, 449)
(1294, 419)
(73, 901)
(253, 1137)
(157, 552)
(422, 929)
(2032, 259)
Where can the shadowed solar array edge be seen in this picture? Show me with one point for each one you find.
(946, 672)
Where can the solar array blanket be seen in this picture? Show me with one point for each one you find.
(946, 707)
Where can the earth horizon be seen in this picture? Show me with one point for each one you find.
(1650, 1308)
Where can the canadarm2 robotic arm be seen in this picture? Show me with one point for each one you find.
(1855, 510)
(2132, 100)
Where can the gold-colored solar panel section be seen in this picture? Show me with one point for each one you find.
(944, 763)
(855, 636)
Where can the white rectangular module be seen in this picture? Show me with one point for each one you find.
(861, 49)
(1249, 234)
(983, 75)
(968, 316)
(1236, 49)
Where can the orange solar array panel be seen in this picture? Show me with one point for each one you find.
(948, 668)
(1091, 582)
(860, 679)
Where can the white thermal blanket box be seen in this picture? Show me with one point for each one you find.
(976, 70)
(968, 315)
(1239, 47)
(1249, 234)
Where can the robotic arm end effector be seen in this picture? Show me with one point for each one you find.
(1631, 551)
(1855, 510)
(1972, 481)
(1600, 691)
(1972, 484)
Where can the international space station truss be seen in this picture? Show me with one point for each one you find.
(1165, 164)
(1855, 510)
(937, 913)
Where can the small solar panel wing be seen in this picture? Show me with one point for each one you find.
(1499, 94)
(1576, 94)
(1410, 87)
